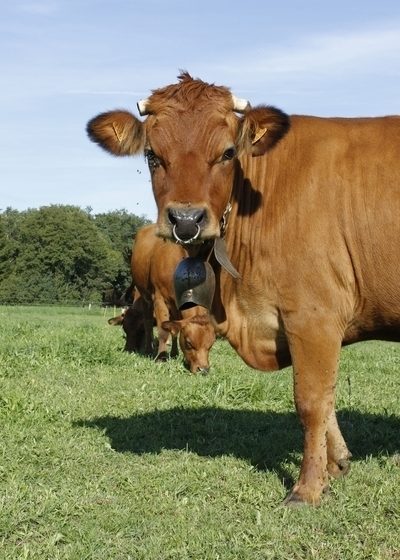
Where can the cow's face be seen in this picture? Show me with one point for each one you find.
(196, 341)
(196, 337)
(192, 164)
(192, 139)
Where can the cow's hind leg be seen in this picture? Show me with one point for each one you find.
(338, 453)
(315, 357)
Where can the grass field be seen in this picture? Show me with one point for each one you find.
(105, 455)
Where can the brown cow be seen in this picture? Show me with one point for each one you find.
(153, 263)
(313, 230)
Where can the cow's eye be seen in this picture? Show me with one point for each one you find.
(188, 344)
(153, 161)
(230, 153)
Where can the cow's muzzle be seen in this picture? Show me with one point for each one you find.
(187, 223)
(200, 370)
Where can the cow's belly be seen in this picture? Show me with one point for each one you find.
(257, 336)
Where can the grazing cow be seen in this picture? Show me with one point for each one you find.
(153, 263)
(308, 209)
(132, 321)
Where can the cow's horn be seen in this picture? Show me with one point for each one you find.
(240, 105)
(142, 107)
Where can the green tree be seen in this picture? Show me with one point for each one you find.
(55, 253)
(120, 227)
(8, 245)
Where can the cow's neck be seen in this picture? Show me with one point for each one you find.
(246, 308)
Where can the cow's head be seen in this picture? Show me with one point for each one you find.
(192, 137)
(196, 337)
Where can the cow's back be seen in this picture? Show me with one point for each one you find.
(141, 258)
(153, 263)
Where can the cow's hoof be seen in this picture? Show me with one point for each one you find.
(294, 500)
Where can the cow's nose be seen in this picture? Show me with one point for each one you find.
(203, 370)
(186, 222)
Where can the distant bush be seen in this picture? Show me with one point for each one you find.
(58, 254)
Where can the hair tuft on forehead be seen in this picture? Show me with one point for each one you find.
(189, 93)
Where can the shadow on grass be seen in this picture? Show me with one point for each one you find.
(266, 439)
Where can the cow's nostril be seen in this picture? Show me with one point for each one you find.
(172, 217)
(198, 216)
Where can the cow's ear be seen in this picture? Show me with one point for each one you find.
(261, 128)
(116, 321)
(118, 132)
(173, 327)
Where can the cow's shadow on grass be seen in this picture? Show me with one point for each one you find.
(267, 440)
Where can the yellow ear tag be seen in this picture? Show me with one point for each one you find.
(260, 133)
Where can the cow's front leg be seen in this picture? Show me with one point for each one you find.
(161, 313)
(174, 347)
(315, 362)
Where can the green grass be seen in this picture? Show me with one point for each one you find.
(105, 455)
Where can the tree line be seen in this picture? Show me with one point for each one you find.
(64, 254)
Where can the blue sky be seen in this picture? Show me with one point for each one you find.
(64, 61)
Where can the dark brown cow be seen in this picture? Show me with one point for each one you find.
(314, 231)
(153, 263)
(132, 320)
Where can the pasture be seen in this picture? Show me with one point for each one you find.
(106, 455)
